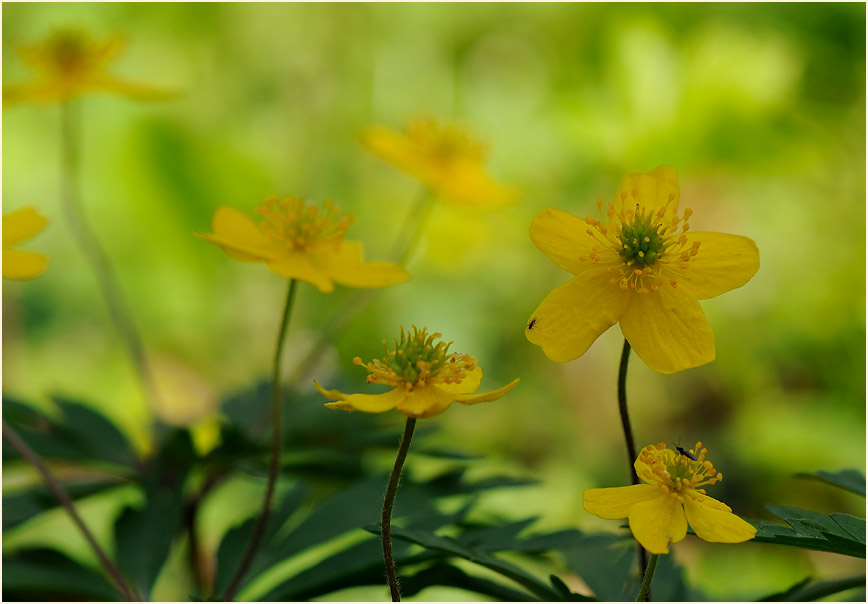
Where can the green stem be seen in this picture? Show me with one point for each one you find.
(408, 238)
(276, 446)
(628, 433)
(61, 495)
(645, 589)
(391, 491)
(94, 253)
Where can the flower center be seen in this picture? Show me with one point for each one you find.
(676, 472)
(299, 225)
(68, 50)
(417, 359)
(643, 247)
(443, 143)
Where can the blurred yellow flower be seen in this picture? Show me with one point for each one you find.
(297, 240)
(425, 377)
(660, 510)
(18, 227)
(69, 63)
(443, 157)
(639, 267)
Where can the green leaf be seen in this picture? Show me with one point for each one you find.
(454, 547)
(47, 575)
(849, 480)
(143, 536)
(23, 505)
(840, 534)
(235, 541)
(605, 563)
(450, 576)
(803, 592)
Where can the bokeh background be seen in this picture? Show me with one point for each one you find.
(760, 107)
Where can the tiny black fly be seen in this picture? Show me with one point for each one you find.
(531, 323)
(685, 453)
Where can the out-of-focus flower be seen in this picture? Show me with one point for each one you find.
(443, 157)
(297, 240)
(660, 510)
(637, 266)
(425, 379)
(18, 227)
(69, 63)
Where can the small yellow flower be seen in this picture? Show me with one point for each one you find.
(660, 510)
(18, 227)
(425, 379)
(68, 63)
(638, 266)
(443, 157)
(297, 240)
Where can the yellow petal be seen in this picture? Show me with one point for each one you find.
(138, 92)
(615, 502)
(425, 401)
(658, 522)
(468, 385)
(723, 262)
(345, 264)
(713, 523)
(22, 265)
(486, 397)
(298, 266)
(239, 236)
(668, 330)
(369, 403)
(573, 315)
(467, 182)
(652, 190)
(21, 225)
(563, 238)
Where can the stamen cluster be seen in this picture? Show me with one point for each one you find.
(298, 224)
(676, 472)
(416, 360)
(66, 51)
(643, 249)
(443, 142)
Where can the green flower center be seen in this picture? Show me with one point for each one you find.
(641, 243)
(417, 359)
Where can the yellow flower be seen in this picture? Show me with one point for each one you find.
(443, 157)
(68, 63)
(424, 376)
(297, 240)
(660, 510)
(637, 266)
(19, 226)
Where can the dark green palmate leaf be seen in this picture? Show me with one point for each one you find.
(46, 575)
(806, 591)
(79, 434)
(144, 535)
(23, 505)
(849, 480)
(837, 533)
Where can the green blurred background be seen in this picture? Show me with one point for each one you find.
(760, 107)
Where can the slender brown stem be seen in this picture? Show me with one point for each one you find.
(61, 495)
(645, 589)
(203, 571)
(388, 503)
(628, 435)
(87, 240)
(276, 447)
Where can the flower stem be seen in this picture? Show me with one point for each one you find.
(276, 446)
(645, 589)
(61, 495)
(628, 433)
(94, 253)
(391, 491)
